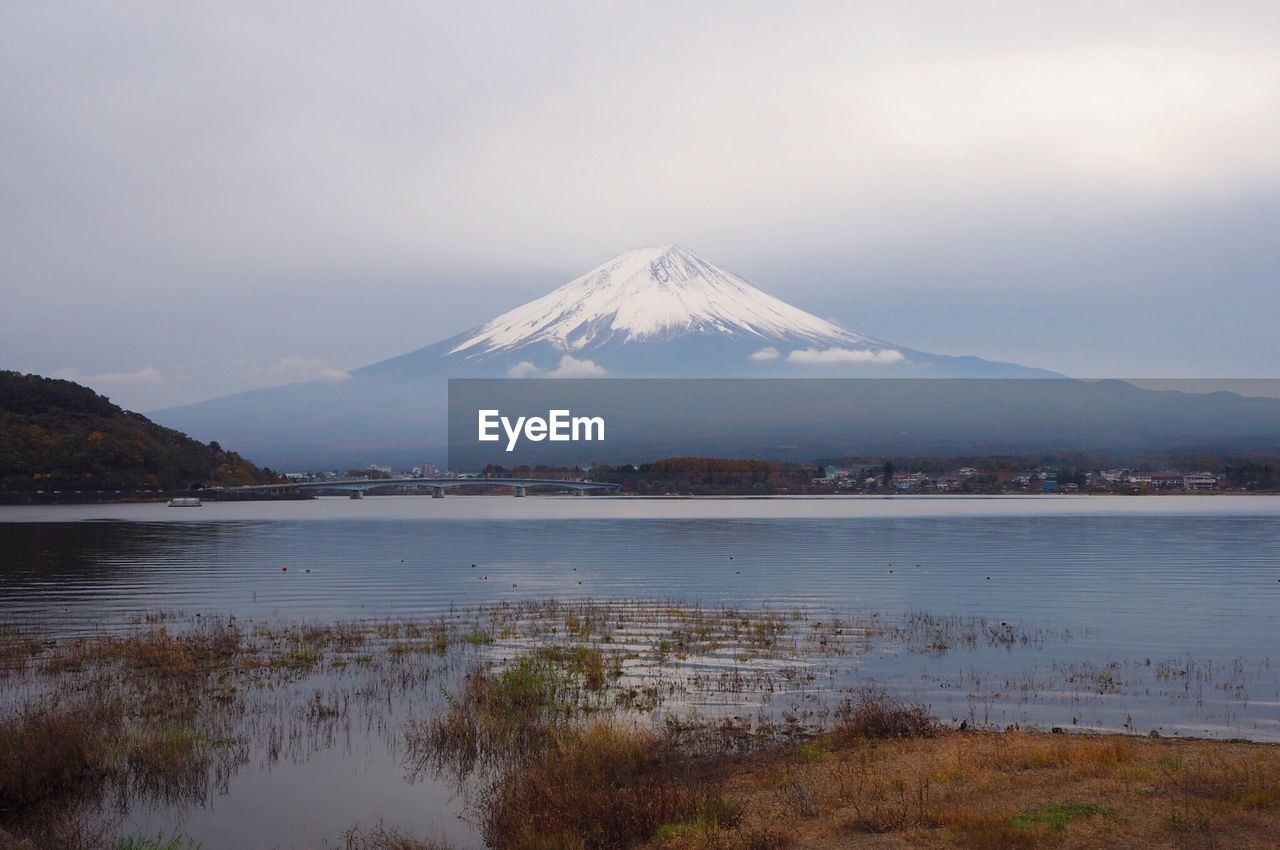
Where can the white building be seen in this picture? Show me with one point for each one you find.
(1200, 481)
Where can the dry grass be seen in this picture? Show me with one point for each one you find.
(17, 649)
(885, 775)
(1012, 790)
(155, 652)
(53, 759)
(876, 714)
(116, 717)
(60, 761)
(600, 787)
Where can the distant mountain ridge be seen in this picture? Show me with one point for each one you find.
(664, 312)
(55, 434)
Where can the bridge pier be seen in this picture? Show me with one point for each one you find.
(578, 491)
(520, 491)
(437, 492)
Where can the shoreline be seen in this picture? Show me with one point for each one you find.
(19, 499)
(505, 508)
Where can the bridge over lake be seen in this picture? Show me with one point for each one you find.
(357, 486)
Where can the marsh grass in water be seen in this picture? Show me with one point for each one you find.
(177, 842)
(602, 725)
(381, 837)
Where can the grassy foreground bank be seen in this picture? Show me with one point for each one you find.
(882, 773)
(999, 790)
(605, 787)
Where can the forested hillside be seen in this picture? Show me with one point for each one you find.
(56, 434)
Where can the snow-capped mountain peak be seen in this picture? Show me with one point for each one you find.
(656, 293)
(657, 312)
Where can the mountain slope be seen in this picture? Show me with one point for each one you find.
(55, 434)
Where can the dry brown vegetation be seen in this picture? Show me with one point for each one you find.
(52, 761)
(595, 786)
(608, 787)
(151, 714)
(1010, 790)
(557, 722)
(883, 776)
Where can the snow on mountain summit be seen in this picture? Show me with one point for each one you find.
(656, 293)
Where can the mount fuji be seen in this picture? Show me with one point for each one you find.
(651, 312)
(666, 312)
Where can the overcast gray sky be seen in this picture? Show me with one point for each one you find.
(202, 198)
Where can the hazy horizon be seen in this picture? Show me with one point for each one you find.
(198, 201)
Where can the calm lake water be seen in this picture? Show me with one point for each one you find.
(1149, 612)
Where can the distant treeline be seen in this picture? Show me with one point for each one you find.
(58, 435)
(717, 476)
(1254, 476)
(1235, 464)
(684, 475)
